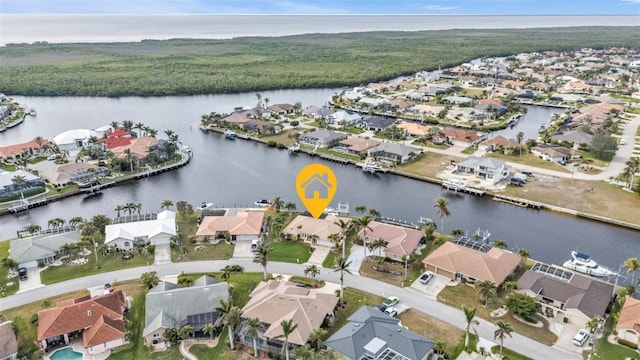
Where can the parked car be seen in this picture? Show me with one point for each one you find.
(391, 311)
(22, 272)
(426, 276)
(388, 302)
(255, 243)
(623, 142)
(108, 288)
(581, 337)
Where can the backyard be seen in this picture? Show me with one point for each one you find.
(290, 251)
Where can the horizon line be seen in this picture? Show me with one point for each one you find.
(311, 14)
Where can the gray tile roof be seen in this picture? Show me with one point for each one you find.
(168, 305)
(394, 148)
(8, 339)
(41, 246)
(372, 332)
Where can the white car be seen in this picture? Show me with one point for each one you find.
(426, 276)
(623, 142)
(391, 311)
(581, 337)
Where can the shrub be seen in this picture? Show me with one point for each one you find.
(281, 146)
(627, 343)
(151, 249)
(271, 143)
(523, 306)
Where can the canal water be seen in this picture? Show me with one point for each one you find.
(237, 173)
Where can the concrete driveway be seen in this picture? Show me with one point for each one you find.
(565, 333)
(433, 287)
(162, 254)
(356, 258)
(33, 280)
(242, 250)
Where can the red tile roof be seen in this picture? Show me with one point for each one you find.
(104, 312)
(19, 148)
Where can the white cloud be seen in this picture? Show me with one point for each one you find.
(438, 7)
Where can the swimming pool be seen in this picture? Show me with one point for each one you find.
(65, 354)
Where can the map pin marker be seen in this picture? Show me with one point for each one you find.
(316, 185)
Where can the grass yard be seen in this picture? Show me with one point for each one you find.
(457, 296)
(355, 299)
(4, 289)
(528, 159)
(195, 252)
(427, 164)
(606, 350)
(290, 251)
(432, 328)
(110, 262)
(218, 352)
(286, 137)
(509, 354)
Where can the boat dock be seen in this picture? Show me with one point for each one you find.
(456, 187)
(517, 201)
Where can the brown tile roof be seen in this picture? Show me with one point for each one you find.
(461, 134)
(244, 223)
(310, 226)
(139, 148)
(500, 140)
(8, 339)
(491, 101)
(359, 144)
(275, 301)
(401, 240)
(630, 315)
(104, 330)
(84, 314)
(589, 295)
(494, 265)
(19, 148)
(236, 118)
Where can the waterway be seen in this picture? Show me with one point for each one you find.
(236, 173)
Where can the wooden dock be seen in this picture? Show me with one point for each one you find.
(518, 201)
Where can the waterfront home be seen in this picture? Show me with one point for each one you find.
(563, 292)
(426, 110)
(375, 123)
(8, 186)
(5, 112)
(392, 152)
(234, 120)
(74, 140)
(491, 170)
(61, 175)
(372, 334)
(401, 241)
(628, 325)
(262, 127)
(281, 109)
(117, 138)
(398, 105)
(40, 250)
(343, 118)
(26, 149)
(240, 226)
(554, 153)
(460, 137)
(317, 112)
(314, 231)
(98, 321)
(467, 114)
(498, 143)
(139, 148)
(370, 102)
(458, 100)
(472, 261)
(8, 340)
(578, 87)
(355, 145)
(275, 301)
(321, 138)
(158, 231)
(577, 138)
(498, 109)
(168, 305)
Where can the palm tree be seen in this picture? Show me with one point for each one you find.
(230, 317)
(345, 229)
(360, 209)
(76, 220)
(127, 125)
(377, 244)
(288, 327)
(166, 204)
(633, 166)
(277, 203)
(149, 279)
(362, 223)
(374, 213)
(524, 254)
(129, 207)
(313, 271)
(209, 329)
(138, 207)
(151, 132)
(632, 265)
(290, 206)
(184, 331)
(500, 244)
(316, 336)
(261, 256)
(230, 269)
(594, 325)
(342, 265)
(139, 126)
(504, 329)
(519, 137)
(486, 289)
(469, 314)
(253, 327)
(442, 210)
(114, 125)
(19, 180)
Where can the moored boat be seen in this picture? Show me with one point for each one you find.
(263, 203)
(583, 263)
(230, 134)
(372, 167)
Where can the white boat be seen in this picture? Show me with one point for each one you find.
(204, 206)
(263, 203)
(230, 134)
(585, 264)
(341, 210)
(294, 148)
(372, 167)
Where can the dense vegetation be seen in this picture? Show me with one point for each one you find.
(183, 66)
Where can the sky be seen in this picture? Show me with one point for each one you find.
(434, 7)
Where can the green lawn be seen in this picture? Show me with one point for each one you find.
(111, 262)
(290, 251)
(195, 252)
(509, 354)
(606, 350)
(219, 352)
(4, 289)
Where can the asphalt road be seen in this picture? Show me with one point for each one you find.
(408, 296)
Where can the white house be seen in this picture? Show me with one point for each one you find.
(157, 232)
(75, 140)
(490, 169)
(343, 117)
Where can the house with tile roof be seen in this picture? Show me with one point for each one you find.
(139, 148)
(29, 148)
(7, 186)
(392, 152)
(559, 290)
(8, 341)
(314, 231)
(372, 334)
(168, 305)
(116, 138)
(356, 145)
(461, 137)
(275, 301)
(72, 172)
(240, 226)
(401, 241)
(491, 170)
(98, 321)
(628, 325)
(496, 143)
(552, 153)
(40, 249)
(155, 231)
(456, 261)
(322, 138)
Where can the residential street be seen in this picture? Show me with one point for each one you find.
(408, 296)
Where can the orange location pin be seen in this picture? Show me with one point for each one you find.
(316, 185)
